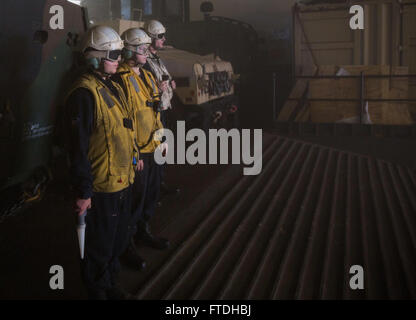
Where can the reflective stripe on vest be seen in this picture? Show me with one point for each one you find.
(153, 84)
(110, 103)
(135, 84)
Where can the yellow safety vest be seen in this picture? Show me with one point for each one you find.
(112, 145)
(141, 96)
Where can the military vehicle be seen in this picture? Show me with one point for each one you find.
(37, 39)
(204, 96)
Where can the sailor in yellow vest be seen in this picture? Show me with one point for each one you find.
(102, 153)
(144, 96)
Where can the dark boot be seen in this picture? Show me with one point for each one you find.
(132, 256)
(147, 238)
(118, 293)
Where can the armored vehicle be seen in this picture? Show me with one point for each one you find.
(204, 96)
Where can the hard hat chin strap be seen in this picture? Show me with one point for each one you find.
(132, 57)
(95, 60)
(101, 69)
(97, 65)
(152, 47)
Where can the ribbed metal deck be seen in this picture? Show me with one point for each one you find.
(294, 231)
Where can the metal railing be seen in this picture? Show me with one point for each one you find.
(362, 99)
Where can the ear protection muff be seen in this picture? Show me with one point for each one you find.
(127, 54)
(130, 55)
(93, 62)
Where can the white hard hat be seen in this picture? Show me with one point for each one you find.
(154, 28)
(102, 43)
(103, 38)
(135, 37)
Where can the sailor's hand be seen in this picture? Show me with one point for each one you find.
(164, 86)
(81, 205)
(173, 84)
(140, 165)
